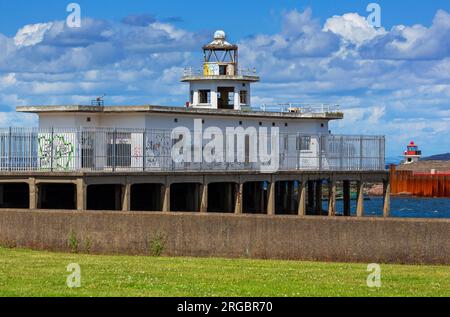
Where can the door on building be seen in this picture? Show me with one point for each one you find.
(225, 98)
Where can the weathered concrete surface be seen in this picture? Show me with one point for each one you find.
(219, 235)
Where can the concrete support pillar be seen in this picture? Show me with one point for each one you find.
(360, 202)
(346, 194)
(126, 201)
(204, 198)
(271, 200)
(166, 198)
(33, 193)
(81, 195)
(302, 198)
(318, 203)
(332, 198)
(238, 203)
(387, 198)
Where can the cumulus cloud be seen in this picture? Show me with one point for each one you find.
(31, 34)
(415, 42)
(353, 28)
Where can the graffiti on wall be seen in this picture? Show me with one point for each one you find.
(56, 151)
(157, 150)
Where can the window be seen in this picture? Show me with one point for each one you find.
(222, 69)
(192, 97)
(303, 143)
(205, 96)
(243, 96)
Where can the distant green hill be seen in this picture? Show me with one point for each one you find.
(438, 157)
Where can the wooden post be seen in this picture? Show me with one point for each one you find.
(238, 204)
(204, 199)
(332, 198)
(387, 198)
(271, 200)
(81, 195)
(302, 198)
(318, 204)
(360, 202)
(166, 200)
(346, 193)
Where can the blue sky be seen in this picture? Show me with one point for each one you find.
(393, 80)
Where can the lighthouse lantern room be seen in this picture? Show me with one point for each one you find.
(412, 153)
(220, 84)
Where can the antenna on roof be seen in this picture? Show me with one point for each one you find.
(98, 101)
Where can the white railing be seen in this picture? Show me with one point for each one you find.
(110, 150)
(193, 72)
(302, 108)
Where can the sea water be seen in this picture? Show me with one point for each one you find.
(404, 207)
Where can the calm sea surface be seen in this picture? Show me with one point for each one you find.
(404, 207)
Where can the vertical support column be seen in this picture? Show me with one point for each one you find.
(238, 204)
(318, 204)
(166, 197)
(271, 200)
(81, 194)
(302, 198)
(204, 198)
(360, 202)
(126, 203)
(332, 198)
(346, 192)
(387, 198)
(33, 193)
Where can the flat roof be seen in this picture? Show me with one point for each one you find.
(177, 110)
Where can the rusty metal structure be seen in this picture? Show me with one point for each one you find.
(413, 183)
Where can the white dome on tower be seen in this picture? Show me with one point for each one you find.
(219, 35)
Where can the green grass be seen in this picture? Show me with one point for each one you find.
(38, 273)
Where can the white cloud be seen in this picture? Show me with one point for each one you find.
(353, 28)
(31, 34)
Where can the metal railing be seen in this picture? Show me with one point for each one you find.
(110, 150)
(192, 72)
(302, 108)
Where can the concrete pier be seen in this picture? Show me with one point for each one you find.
(282, 193)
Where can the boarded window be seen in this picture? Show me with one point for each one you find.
(243, 96)
(205, 96)
(119, 150)
(303, 143)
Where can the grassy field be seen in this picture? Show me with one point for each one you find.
(37, 273)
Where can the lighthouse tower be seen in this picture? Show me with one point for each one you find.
(220, 84)
(412, 153)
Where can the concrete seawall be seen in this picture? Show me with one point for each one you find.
(221, 235)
